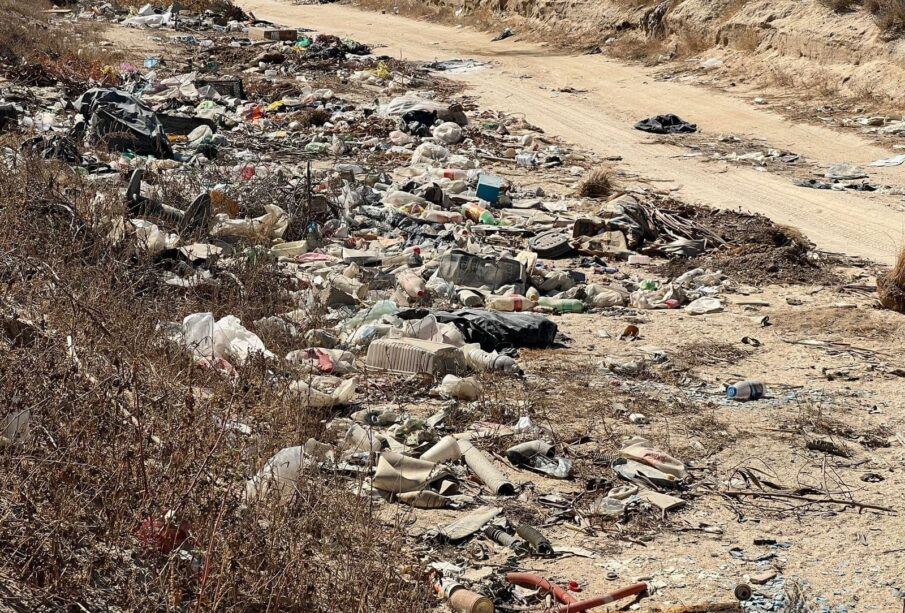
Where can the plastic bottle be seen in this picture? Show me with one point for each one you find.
(411, 284)
(644, 453)
(438, 216)
(469, 298)
(526, 160)
(746, 390)
(478, 214)
(375, 312)
(562, 305)
(453, 174)
(510, 303)
(410, 257)
(468, 388)
(317, 147)
(478, 359)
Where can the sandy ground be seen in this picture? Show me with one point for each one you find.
(525, 76)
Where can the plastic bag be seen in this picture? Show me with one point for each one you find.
(271, 224)
(448, 133)
(226, 338)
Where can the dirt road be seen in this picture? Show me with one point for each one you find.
(524, 78)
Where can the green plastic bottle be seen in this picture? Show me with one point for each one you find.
(562, 305)
(478, 214)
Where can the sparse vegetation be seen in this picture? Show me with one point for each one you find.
(597, 184)
(34, 50)
(128, 495)
(889, 14)
(840, 6)
(892, 286)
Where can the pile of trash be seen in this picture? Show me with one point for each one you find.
(405, 256)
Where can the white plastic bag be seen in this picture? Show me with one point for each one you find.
(448, 133)
(271, 224)
(226, 338)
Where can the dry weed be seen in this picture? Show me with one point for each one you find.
(40, 51)
(892, 286)
(598, 184)
(889, 14)
(128, 432)
(226, 8)
(840, 6)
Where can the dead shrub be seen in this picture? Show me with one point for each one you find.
(889, 15)
(597, 184)
(312, 117)
(42, 51)
(691, 42)
(128, 432)
(840, 6)
(638, 48)
(748, 39)
(892, 287)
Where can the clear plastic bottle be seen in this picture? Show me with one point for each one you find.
(562, 305)
(510, 303)
(479, 360)
(438, 216)
(411, 257)
(746, 390)
(453, 174)
(372, 314)
(469, 298)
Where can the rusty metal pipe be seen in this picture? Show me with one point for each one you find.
(569, 605)
(584, 605)
(529, 580)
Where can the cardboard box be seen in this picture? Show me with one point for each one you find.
(272, 34)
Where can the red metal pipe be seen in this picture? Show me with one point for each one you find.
(584, 605)
(536, 581)
(570, 605)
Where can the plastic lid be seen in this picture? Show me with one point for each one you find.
(731, 392)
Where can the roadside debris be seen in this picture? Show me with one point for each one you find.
(666, 124)
(344, 233)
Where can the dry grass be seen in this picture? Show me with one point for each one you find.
(638, 48)
(598, 184)
(477, 17)
(892, 286)
(840, 6)
(37, 50)
(889, 14)
(122, 433)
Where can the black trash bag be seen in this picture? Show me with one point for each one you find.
(123, 123)
(9, 115)
(495, 331)
(666, 124)
(418, 123)
(53, 148)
